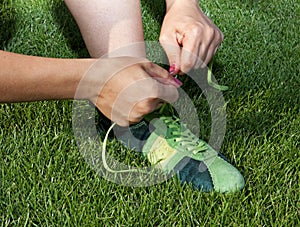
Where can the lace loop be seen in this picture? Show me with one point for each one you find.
(104, 156)
(184, 138)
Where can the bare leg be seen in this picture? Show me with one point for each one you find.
(109, 25)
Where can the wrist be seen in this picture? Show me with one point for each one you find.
(28, 78)
(75, 70)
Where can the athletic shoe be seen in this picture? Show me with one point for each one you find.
(173, 147)
(170, 146)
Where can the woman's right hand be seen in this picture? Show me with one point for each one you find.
(125, 89)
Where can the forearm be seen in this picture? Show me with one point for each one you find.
(28, 78)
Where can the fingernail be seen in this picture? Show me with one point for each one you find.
(177, 81)
(172, 69)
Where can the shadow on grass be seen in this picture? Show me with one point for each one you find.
(7, 22)
(69, 29)
(156, 8)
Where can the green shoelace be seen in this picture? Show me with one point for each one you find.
(209, 78)
(184, 138)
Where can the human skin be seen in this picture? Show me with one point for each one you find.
(107, 26)
(129, 88)
(188, 36)
(29, 78)
(114, 28)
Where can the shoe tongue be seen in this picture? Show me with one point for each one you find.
(159, 127)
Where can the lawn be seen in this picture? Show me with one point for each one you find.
(44, 180)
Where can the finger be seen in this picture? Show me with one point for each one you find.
(199, 61)
(139, 99)
(145, 106)
(155, 70)
(159, 104)
(190, 51)
(214, 39)
(160, 74)
(207, 46)
(135, 117)
(172, 49)
(214, 47)
(151, 96)
(167, 93)
(211, 52)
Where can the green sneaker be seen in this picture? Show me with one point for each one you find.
(173, 147)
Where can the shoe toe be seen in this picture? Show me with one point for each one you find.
(226, 178)
(215, 174)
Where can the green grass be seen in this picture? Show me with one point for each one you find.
(44, 180)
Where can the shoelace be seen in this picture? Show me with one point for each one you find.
(104, 157)
(184, 138)
(209, 78)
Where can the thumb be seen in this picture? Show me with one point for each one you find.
(173, 52)
(167, 93)
(161, 75)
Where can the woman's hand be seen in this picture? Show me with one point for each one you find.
(125, 88)
(188, 36)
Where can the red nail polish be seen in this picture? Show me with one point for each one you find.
(172, 69)
(177, 81)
